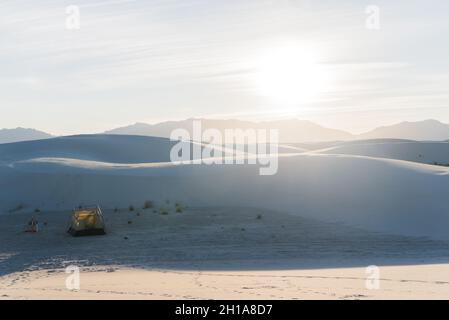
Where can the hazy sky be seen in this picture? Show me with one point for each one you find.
(149, 61)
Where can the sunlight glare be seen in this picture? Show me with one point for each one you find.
(290, 75)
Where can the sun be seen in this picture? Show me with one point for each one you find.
(290, 74)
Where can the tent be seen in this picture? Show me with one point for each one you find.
(87, 221)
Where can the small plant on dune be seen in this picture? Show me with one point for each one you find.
(116, 209)
(131, 208)
(259, 217)
(148, 204)
(178, 207)
(37, 210)
(163, 212)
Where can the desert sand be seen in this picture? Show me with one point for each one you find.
(397, 282)
(307, 232)
(218, 253)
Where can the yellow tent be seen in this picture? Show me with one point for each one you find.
(87, 221)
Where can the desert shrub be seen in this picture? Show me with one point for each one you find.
(178, 207)
(131, 208)
(163, 212)
(259, 217)
(148, 204)
(441, 164)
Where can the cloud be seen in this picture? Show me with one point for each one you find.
(193, 57)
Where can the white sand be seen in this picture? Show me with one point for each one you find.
(325, 215)
(216, 252)
(422, 152)
(378, 194)
(404, 282)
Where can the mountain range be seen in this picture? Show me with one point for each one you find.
(22, 134)
(290, 131)
(300, 130)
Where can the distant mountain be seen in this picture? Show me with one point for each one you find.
(432, 130)
(289, 130)
(22, 134)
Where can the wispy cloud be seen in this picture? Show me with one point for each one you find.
(133, 60)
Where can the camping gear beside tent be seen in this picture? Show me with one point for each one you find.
(87, 221)
(33, 226)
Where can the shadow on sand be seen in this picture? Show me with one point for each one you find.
(207, 239)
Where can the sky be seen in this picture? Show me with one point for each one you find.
(337, 63)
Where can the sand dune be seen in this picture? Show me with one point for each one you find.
(106, 282)
(378, 194)
(423, 152)
(117, 149)
(322, 210)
